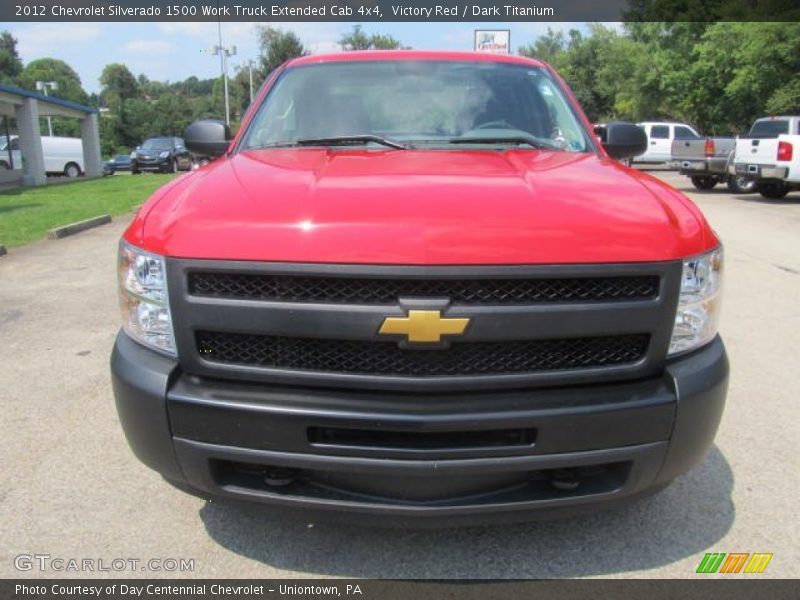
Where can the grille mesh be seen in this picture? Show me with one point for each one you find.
(387, 291)
(387, 358)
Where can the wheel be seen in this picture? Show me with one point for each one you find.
(4, 166)
(72, 170)
(173, 165)
(773, 190)
(741, 184)
(704, 182)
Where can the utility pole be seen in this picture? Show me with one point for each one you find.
(42, 87)
(250, 67)
(224, 55)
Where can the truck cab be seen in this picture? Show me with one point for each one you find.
(416, 287)
(660, 136)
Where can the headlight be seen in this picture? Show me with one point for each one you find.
(144, 300)
(697, 316)
(163, 154)
(133, 154)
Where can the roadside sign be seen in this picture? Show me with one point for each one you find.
(496, 41)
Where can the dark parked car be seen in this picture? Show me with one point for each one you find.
(165, 154)
(121, 162)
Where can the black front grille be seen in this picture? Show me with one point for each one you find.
(356, 290)
(387, 358)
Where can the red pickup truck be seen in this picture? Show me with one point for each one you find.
(417, 286)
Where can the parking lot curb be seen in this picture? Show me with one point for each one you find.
(73, 228)
(3, 251)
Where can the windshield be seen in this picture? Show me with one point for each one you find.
(157, 144)
(770, 128)
(419, 104)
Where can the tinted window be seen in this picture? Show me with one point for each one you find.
(659, 132)
(771, 128)
(421, 102)
(684, 133)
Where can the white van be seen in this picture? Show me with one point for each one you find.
(660, 136)
(62, 155)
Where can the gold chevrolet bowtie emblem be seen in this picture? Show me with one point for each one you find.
(423, 326)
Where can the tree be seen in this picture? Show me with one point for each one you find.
(276, 48)
(122, 125)
(10, 63)
(52, 69)
(741, 71)
(548, 47)
(118, 84)
(69, 88)
(356, 39)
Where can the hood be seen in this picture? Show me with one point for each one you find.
(420, 207)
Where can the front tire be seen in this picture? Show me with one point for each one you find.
(773, 190)
(704, 182)
(71, 170)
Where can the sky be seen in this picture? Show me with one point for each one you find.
(173, 51)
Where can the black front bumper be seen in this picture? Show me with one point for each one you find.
(155, 164)
(458, 456)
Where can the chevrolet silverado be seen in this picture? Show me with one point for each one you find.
(706, 162)
(416, 286)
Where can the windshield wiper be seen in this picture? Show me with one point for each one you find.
(511, 139)
(351, 139)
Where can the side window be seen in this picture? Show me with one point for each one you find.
(659, 132)
(684, 133)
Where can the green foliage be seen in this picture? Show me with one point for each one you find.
(138, 108)
(119, 84)
(69, 88)
(10, 63)
(52, 69)
(356, 39)
(718, 76)
(549, 47)
(276, 48)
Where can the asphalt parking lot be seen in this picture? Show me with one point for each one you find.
(69, 486)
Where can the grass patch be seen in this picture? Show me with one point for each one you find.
(27, 213)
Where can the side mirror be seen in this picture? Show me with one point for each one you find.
(624, 140)
(209, 137)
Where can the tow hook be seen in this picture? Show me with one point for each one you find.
(563, 479)
(279, 476)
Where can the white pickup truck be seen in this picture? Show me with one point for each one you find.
(771, 154)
